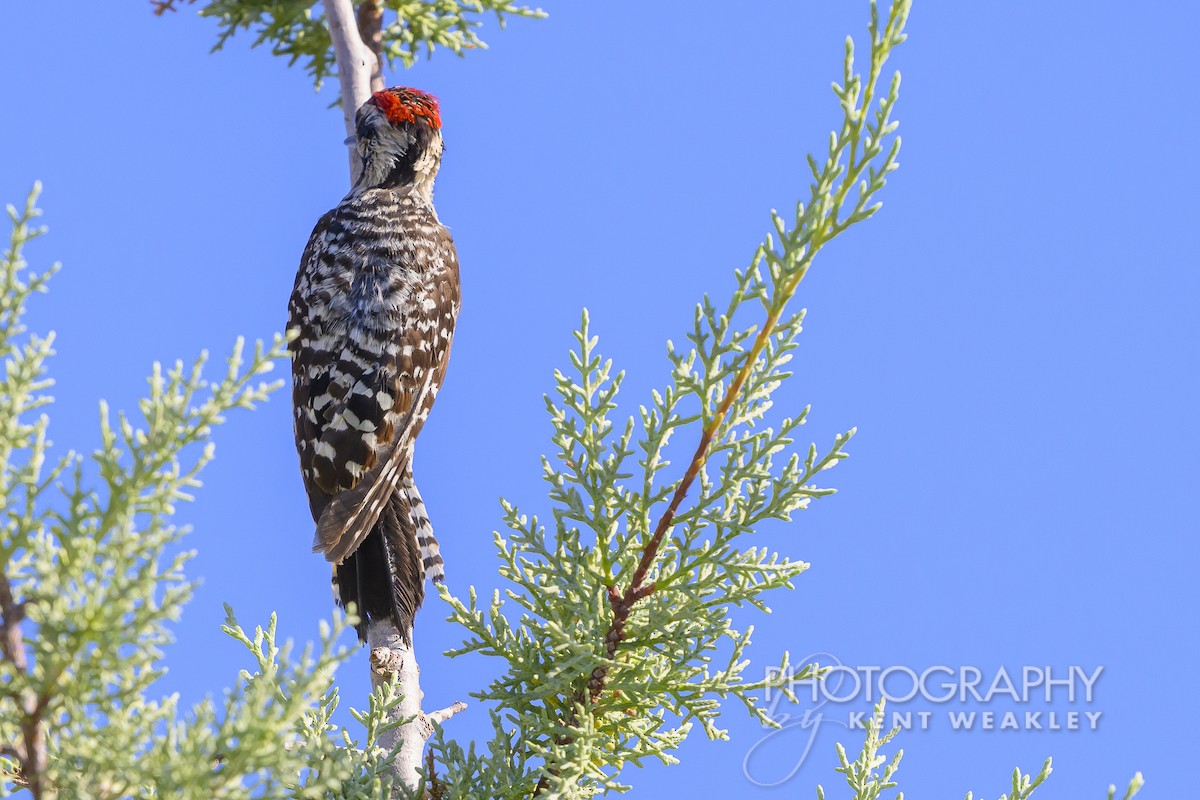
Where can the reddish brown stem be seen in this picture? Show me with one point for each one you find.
(163, 6)
(31, 753)
(435, 788)
(622, 603)
(638, 589)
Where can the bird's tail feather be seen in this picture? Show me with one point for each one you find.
(385, 576)
(431, 551)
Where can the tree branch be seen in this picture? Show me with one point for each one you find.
(369, 18)
(357, 66)
(31, 751)
(638, 589)
(392, 658)
(163, 6)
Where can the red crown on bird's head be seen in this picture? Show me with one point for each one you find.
(401, 104)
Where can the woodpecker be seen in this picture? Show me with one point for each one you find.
(374, 304)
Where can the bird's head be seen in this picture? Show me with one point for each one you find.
(398, 133)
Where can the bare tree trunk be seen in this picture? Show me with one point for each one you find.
(357, 45)
(370, 29)
(392, 656)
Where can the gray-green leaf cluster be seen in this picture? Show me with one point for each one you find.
(91, 578)
(296, 30)
(867, 781)
(592, 685)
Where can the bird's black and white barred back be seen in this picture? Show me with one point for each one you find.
(375, 303)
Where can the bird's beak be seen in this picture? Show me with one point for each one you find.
(349, 140)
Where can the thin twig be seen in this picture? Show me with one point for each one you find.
(435, 789)
(436, 718)
(163, 6)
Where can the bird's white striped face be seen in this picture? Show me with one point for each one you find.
(399, 139)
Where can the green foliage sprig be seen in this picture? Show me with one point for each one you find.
(624, 639)
(91, 578)
(867, 782)
(296, 29)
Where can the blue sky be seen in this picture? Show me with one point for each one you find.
(1014, 335)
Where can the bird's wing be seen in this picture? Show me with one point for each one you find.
(366, 398)
(349, 516)
(312, 361)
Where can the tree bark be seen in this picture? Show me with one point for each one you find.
(369, 18)
(357, 65)
(392, 656)
(31, 750)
